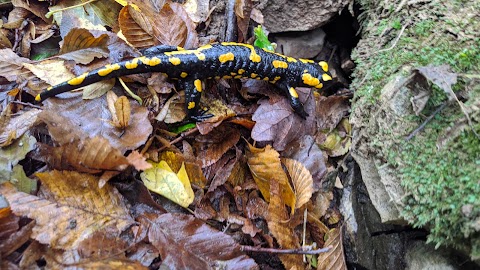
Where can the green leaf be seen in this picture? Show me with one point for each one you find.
(261, 40)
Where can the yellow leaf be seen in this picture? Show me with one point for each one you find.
(264, 164)
(174, 186)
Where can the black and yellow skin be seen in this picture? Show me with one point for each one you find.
(222, 60)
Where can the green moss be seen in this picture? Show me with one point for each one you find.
(439, 181)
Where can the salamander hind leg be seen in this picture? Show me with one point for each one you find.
(193, 93)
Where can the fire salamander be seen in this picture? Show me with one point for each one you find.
(222, 60)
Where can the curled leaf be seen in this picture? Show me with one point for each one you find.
(302, 181)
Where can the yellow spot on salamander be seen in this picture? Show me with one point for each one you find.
(238, 77)
(309, 80)
(226, 57)
(78, 80)
(241, 71)
(254, 57)
(324, 65)
(200, 55)
(279, 64)
(183, 74)
(293, 92)
(291, 59)
(217, 77)
(227, 77)
(38, 98)
(253, 75)
(306, 61)
(326, 77)
(154, 61)
(275, 79)
(49, 88)
(266, 79)
(191, 105)
(198, 85)
(175, 61)
(319, 86)
(233, 73)
(107, 70)
(132, 64)
(180, 48)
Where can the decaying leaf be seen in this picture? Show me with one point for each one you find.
(13, 128)
(302, 181)
(11, 66)
(72, 208)
(216, 144)
(185, 242)
(136, 28)
(277, 225)
(82, 47)
(441, 76)
(337, 142)
(278, 123)
(333, 259)
(163, 180)
(10, 156)
(120, 109)
(265, 167)
(330, 111)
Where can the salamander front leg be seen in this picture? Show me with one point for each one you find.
(294, 101)
(193, 92)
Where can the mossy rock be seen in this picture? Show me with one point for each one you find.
(438, 167)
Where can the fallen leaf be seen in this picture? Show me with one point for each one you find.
(302, 181)
(335, 258)
(278, 123)
(277, 225)
(265, 166)
(337, 142)
(64, 216)
(306, 151)
(440, 76)
(330, 111)
(82, 47)
(216, 144)
(138, 161)
(185, 242)
(13, 128)
(174, 186)
(136, 28)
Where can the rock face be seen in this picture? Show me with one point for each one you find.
(299, 15)
(301, 45)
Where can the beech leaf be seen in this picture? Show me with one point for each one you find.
(71, 209)
(174, 186)
(82, 47)
(277, 225)
(265, 166)
(335, 258)
(302, 181)
(185, 242)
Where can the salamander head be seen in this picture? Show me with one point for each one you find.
(315, 75)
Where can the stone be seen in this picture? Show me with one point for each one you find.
(299, 15)
(300, 45)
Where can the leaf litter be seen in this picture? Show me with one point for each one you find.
(245, 177)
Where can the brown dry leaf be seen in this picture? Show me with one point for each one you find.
(173, 26)
(302, 181)
(123, 111)
(89, 116)
(12, 68)
(14, 127)
(138, 161)
(91, 155)
(136, 28)
(330, 111)
(265, 166)
(36, 7)
(173, 110)
(277, 225)
(194, 171)
(185, 242)
(441, 76)
(276, 121)
(335, 258)
(16, 18)
(82, 47)
(216, 144)
(71, 209)
(306, 151)
(243, 8)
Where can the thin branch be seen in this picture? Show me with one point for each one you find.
(27, 104)
(396, 40)
(285, 251)
(429, 118)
